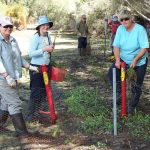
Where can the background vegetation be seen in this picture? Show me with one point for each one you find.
(66, 13)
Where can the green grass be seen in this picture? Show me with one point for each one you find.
(139, 125)
(89, 104)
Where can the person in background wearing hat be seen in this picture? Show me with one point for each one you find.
(130, 46)
(11, 63)
(113, 24)
(82, 33)
(40, 53)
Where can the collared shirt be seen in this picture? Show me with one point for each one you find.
(82, 28)
(11, 60)
(36, 53)
(131, 43)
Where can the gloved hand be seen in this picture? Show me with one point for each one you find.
(11, 82)
(33, 68)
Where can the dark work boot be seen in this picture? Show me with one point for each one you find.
(3, 117)
(19, 124)
(22, 133)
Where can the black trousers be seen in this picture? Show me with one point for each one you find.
(82, 42)
(37, 90)
(136, 87)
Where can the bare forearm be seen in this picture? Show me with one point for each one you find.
(117, 53)
(117, 57)
(138, 57)
(141, 53)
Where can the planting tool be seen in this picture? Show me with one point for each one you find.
(123, 90)
(48, 88)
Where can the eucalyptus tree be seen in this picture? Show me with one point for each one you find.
(141, 7)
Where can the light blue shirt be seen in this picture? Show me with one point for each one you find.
(36, 53)
(131, 43)
(11, 60)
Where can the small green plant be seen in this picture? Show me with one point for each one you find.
(131, 75)
(101, 145)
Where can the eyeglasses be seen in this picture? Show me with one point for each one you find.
(8, 26)
(84, 18)
(125, 19)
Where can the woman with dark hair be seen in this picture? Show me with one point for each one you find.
(40, 53)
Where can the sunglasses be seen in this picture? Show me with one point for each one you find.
(8, 26)
(125, 19)
(84, 18)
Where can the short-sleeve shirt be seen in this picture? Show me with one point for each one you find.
(131, 42)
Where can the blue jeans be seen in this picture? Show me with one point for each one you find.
(136, 88)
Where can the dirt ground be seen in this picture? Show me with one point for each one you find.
(64, 134)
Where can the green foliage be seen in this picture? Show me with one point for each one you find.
(18, 13)
(88, 103)
(97, 124)
(139, 125)
(131, 75)
(101, 145)
(2, 8)
(81, 102)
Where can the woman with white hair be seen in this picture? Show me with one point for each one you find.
(11, 63)
(130, 46)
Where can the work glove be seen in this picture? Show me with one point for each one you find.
(34, 68)
(11, 82)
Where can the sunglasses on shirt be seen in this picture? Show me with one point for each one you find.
(8, 26)
(125, 19)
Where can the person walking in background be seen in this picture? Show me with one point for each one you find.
(82, 33)
(11, 63)
(40, 53)
(130, 46)
(113, 24)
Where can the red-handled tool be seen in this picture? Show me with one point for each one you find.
(123, 89)
(48, 88)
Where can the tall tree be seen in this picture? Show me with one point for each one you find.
(141, 7)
